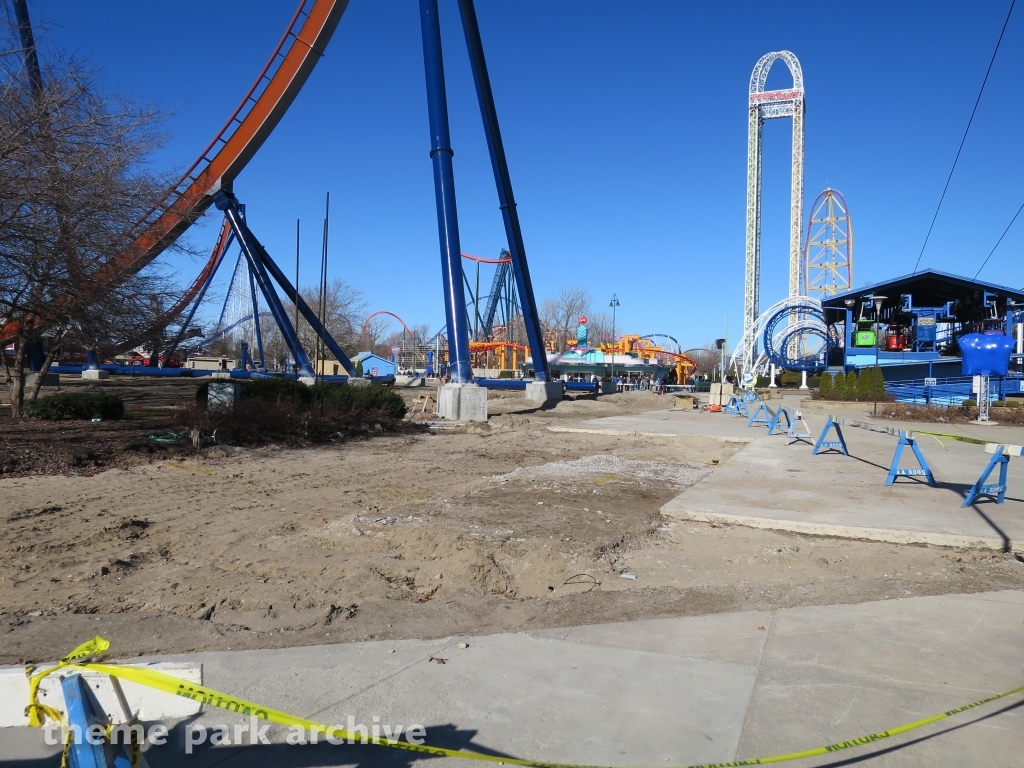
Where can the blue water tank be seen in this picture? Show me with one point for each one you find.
(986, 354)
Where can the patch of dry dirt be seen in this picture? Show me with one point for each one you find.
(490, 528)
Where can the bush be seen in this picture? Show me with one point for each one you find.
(790, 379)
(271, 390)
(346, 399)
(76, 405)
(825, 386)
(865, 384)
(839, 387)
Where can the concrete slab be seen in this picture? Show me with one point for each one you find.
(737, 638)
(664, 692)
(769, 484)
(844, 671)
(95, 374)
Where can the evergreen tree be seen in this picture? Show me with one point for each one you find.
(879, 384)
(825, 386)
(865, 384)
(839, 387)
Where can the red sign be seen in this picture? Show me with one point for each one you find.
(583, 319)
(775, 96)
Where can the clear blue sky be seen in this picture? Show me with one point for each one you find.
(625, 127)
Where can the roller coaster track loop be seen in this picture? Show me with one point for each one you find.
(800, 347)
(369, 317)
(245, 131)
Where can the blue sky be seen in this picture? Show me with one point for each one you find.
(625, 128)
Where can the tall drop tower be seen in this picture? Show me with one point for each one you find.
(828, 266)
(765, 105)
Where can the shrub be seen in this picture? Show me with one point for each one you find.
(825, 386)
(271, 390)
(76, 405)
(346, 398)
(865, 384)
(790, 379)
(839, 387)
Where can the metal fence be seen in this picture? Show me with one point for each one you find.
(952, 390)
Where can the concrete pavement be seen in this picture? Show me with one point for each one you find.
(662, 692)
(769, 484)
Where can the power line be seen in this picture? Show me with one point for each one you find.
(998, 241)
(964, 139)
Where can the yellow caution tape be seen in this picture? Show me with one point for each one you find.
(213, 698)
(961, 438)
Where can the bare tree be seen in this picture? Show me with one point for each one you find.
(74, 182)
(559, 315)
(343, 318)
(600, 328)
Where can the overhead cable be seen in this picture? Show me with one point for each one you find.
(964, 139)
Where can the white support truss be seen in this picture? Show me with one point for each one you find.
(766, 105)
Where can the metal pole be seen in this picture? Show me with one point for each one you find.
(444, 196)
(513, 232)
(250, 248)
(613, 304)
(297, 225)
(226, 202)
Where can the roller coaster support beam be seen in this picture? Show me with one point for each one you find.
(260, 263)
(262, 366)
(255, 314)
(503, 180)
(251, 248)
(199, 300)
(441, 153)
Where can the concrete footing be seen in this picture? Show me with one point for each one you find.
(544, 392)
(356, 381)
(49, 380)
(410, 381)
(462, 402)
(223, 395)
(91, 374)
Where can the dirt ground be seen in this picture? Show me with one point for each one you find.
(487, 528)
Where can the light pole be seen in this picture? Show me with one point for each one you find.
(878, 300)
(613, 304)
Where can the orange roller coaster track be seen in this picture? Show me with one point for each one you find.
(245, 131)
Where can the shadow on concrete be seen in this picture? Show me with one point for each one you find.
(172, 754)
(962, 490)
(898, 747)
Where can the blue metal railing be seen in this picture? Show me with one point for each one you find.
(952, 390)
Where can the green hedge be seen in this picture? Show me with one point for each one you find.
(76, 405)
(360, 399)
(344, 397)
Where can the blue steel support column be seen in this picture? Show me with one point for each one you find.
(504, 183)
(256, 322)
(264, 264)
(247, 241)
(255, 308)
(444, 194)
(199, 300)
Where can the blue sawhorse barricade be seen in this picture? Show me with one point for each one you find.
(1001, 458)
(831, 445)
(82, 712)
(798, 431)
(907, 438)
(737, 404)
(763, 414)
